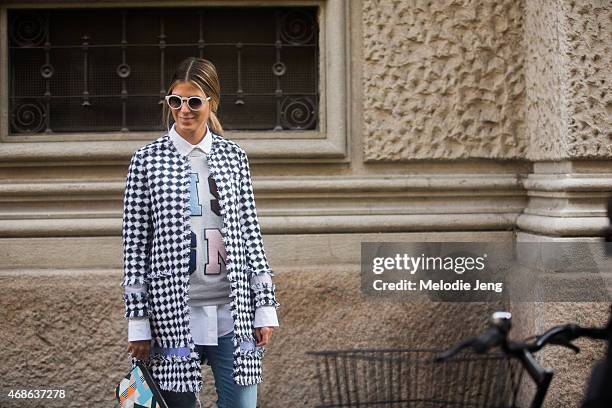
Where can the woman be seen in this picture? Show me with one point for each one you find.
(197, 283)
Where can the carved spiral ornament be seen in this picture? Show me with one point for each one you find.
(296, 28)
(28, 30)
(28, 117)
(298, 113)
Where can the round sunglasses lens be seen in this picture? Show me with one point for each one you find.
(195, 103)
(174, 102)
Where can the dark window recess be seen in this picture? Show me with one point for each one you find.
(105, 70)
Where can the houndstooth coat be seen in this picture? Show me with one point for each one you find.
(156, 249)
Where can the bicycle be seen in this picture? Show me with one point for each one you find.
(428, 378)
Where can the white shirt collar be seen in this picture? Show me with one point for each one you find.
(184, 147)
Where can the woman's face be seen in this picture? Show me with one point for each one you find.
(190, 122)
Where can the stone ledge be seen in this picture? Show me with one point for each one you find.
(569, 182)
(295, 252)
(562, 226)
(286, 205)
(566, 198)
(18, 154)
(287, 224)
(284, 185)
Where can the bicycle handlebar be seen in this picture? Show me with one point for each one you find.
(480, 344)
(564, 335)
(497, 336)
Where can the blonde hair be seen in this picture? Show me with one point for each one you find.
(201, 73)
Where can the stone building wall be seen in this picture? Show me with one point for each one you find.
(465, 120)
(567, 71)
(443, 80)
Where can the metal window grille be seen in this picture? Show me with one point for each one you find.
(106, 70)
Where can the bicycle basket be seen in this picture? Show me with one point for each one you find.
(410, 378)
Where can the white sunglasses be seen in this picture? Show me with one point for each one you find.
(194, 103)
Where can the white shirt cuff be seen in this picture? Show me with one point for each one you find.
(139, 329)
(265, 316)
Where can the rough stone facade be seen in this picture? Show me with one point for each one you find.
(589, 94)
(443, 79)
(447, 79)
(567, 71)
(544, 73)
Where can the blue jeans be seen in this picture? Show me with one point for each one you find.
(221, 360)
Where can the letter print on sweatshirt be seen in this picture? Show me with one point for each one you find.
(213, 247)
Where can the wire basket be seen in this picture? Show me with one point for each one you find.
(410, 378)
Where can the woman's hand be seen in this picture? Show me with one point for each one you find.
(140, 349)
(263, 335)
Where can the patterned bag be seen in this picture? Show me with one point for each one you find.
(139, 390)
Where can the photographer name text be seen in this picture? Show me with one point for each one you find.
(440, 285)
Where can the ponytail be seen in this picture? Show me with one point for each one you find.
(214, 124)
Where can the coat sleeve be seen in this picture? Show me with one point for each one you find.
(259, 272)
(137, 234)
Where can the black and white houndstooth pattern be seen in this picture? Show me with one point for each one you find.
(156, 250)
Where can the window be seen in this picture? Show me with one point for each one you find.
(105, 70)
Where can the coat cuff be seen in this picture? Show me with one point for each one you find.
(254, 273)
(136, 304)
(262, 290)
(263, 295)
